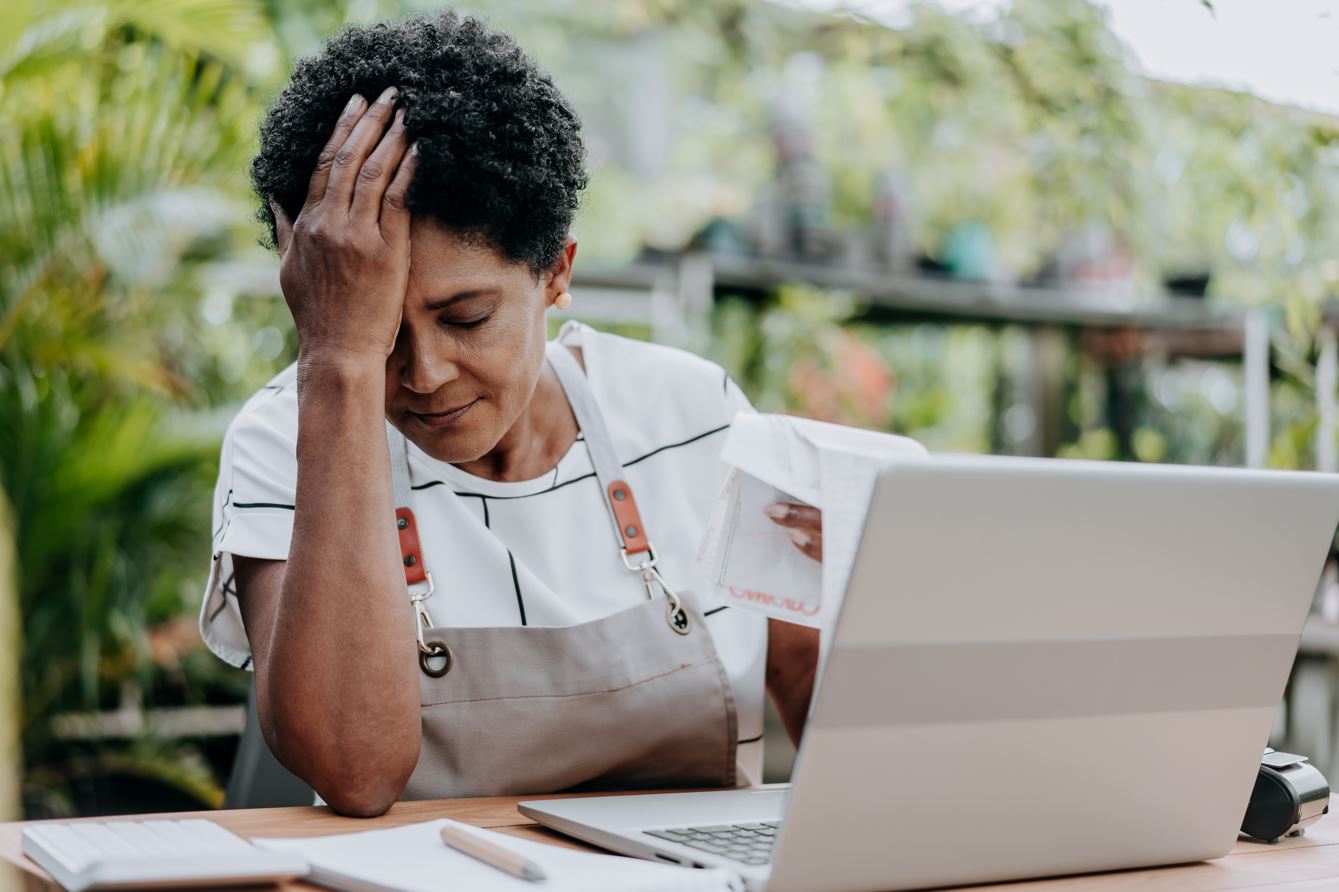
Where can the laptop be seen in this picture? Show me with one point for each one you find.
(1040, 667)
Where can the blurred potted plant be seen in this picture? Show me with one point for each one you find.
(799, 355)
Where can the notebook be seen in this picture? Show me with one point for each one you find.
(414, 859)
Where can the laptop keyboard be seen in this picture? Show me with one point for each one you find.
(747, 843)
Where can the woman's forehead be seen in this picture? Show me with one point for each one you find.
(442, 259)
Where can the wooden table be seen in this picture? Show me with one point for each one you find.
(1307, 863)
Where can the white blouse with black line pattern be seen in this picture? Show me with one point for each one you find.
(537, 552)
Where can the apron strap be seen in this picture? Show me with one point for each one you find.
(411, 552)
(608, 470)
(618, 498)
(435, 657)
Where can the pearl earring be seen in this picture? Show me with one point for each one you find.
(563, 301)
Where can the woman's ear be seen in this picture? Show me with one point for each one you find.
(558, 279)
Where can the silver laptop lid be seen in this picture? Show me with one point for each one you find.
(1047, 667)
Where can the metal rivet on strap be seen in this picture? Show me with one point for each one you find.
(402, 522)
(410, 560)
(630, 532)
(620, 494)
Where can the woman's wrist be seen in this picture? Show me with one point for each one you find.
(341, 400)
(333, 372)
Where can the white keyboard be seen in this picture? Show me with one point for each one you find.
(139, 854)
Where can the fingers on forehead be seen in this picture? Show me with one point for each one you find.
(348, 161)
(353, 112)
(380, 167)
(367, 129)
(393, 144)
(395, 201)
(344, 152)
(348, 118)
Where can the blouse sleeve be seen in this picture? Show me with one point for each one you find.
(253, 511)
(735, 400)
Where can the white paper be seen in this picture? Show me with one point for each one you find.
(745, 559)
(413, 858)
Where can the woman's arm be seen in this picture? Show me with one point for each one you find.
(331, 632)
(792, 665)
(792, 650)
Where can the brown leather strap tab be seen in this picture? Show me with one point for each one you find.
(629, 520)
(411, 554)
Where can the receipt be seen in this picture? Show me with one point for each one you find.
(744, 559)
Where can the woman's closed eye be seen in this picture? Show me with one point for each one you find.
(467, 323)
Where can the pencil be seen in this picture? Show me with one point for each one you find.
(491, 854)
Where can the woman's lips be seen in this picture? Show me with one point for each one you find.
(442, 419)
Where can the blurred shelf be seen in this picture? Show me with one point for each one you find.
(987, 301)
(167, 722)
(934, 297)
(637, 276)
(674, 297)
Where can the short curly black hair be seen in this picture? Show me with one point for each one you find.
(501, 156)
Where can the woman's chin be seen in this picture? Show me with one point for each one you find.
(444, 435)
(452, 447)
(453, 444)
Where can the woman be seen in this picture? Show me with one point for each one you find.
(430, 545)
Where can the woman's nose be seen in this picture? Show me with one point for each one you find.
(425, 367)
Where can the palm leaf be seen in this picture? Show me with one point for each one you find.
(232, 31)
(125, 186)
(122, 174)
(115, 491)
(32, 45)
(35, 42)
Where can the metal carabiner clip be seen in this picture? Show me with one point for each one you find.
(417, 597)
(434, 657)
(675, 615)
(424, 622)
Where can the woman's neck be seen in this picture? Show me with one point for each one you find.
(536, 441)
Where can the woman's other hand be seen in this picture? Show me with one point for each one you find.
(345, 259)
(804, 523)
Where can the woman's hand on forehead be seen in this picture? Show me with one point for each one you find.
(345, 258)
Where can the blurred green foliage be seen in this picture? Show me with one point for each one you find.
(129, 126)
(137, 309)
(9, 675)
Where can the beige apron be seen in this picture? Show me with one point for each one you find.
(637, 700)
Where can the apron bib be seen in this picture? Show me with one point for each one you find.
(636, 700)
